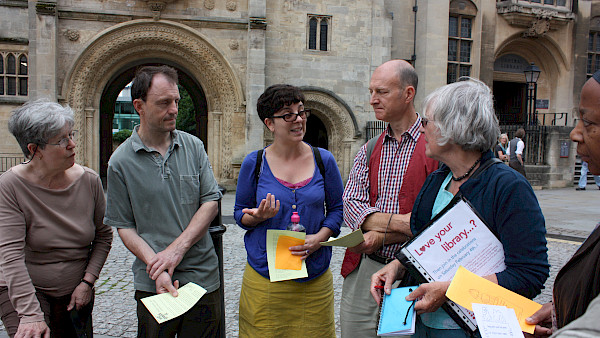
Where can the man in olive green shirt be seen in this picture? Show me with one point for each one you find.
(162, 196)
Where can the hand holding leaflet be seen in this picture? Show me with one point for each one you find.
(350, 240)
(282, 264)
(468, 288)
(166, 307)
(497, 321)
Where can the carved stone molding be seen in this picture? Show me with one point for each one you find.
(209, 4)
(72, 34)
(525, 14)
(234, 45)
(258, 23)
(146, 39)
(231, 6)
(45, 7)
(539, 27)
(338, 122)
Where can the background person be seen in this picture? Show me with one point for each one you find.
(162, 197)
(52, 240)
(583, 177)
(515, 152)
(577, 284)
(379, 200)
(460, 127)
(288, 181)
(500, 150)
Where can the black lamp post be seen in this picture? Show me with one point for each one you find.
(532, 73)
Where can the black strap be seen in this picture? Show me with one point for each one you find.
(259, 154)
(319, 160)
(482, 167)
(316, 153)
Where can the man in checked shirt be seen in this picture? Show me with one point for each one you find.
(380, 192)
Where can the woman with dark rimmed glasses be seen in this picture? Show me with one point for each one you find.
(273, 183)
(52, 240)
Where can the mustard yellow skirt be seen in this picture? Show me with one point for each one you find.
(287, 308)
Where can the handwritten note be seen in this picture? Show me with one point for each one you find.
(467, 288)
(275, 274)
(352, 239)
(496, 321)
(166, 307)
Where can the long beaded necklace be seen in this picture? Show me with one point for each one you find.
(468, 172)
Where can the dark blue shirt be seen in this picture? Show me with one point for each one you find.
(308, 201)
(507, 203)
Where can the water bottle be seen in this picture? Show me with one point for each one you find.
(295, 225)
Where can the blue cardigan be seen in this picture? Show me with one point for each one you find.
(505, 200)
(308, 201)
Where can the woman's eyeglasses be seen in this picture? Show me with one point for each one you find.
(291, 117)
(65, 141)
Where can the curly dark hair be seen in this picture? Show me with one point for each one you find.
(276, 97)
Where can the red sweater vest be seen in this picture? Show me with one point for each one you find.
(419, 168)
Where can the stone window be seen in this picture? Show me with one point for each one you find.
(460, 40)
(13, 74)
(318, 32)
(593, 49)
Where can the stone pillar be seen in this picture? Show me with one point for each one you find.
(43, 49)
(487, 14)
(580, 45)
(403, 27)
(381, 34)
(215, 133)
(87, 142)
(432, 46)
(255, 78)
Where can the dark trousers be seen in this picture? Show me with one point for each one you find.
(62, 323)
(516, 165)
(202, 320)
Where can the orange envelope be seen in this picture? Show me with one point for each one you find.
(283, 256)
(467, 288)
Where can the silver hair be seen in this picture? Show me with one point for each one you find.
(38, 121)
(464, 113)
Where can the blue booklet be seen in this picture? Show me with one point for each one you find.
(397, 315)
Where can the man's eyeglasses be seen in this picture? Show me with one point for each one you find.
(65, 141)
(424, 121)
(291, 117)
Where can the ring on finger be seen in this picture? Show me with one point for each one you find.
(307, 251)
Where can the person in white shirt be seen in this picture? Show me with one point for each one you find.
(515, 152)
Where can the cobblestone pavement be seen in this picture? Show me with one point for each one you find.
(114, 312)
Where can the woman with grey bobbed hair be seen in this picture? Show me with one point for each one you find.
(52, 240)
(460, 127)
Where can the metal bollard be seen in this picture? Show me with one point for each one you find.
(216, 230)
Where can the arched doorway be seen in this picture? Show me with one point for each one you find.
(316, 133)
(121, 79)
(509, 89)
(333, 120)
(104, 65)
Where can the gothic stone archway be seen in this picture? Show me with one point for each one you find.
(122, 44)
(340, 123)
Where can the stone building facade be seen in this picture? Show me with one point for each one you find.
(83, 52)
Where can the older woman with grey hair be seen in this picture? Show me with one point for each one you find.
(460, 128)
(52, 240)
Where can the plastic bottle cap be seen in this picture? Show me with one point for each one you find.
(295, 217)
